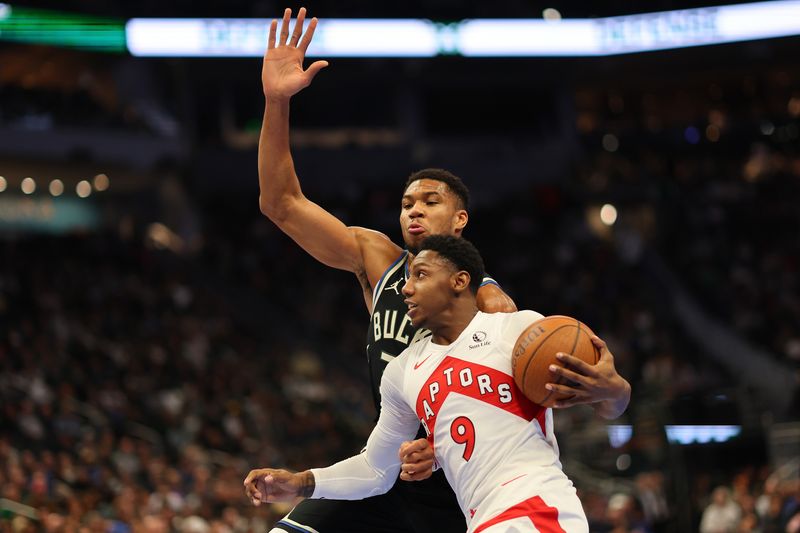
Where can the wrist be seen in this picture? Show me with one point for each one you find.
(277, 100)
(615, 406)
(306, 484)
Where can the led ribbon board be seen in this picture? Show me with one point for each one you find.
(248, 38)
(476, 38)
(36, 26)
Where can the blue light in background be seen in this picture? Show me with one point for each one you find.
(618, 435)
(692, 135)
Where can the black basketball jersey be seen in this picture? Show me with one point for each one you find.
(390, 330)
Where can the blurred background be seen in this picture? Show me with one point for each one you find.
(159, 337)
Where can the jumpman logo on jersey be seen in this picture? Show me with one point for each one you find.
(394, 286)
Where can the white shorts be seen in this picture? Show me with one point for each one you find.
(533, 516)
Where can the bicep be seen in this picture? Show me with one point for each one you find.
(397, 421)
(322, 235)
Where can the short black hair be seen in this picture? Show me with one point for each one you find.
(461, 253)
(453, 182)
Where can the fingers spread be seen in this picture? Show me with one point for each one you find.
(273, 28)
(306, 40)
(287, 16)
(298, 27)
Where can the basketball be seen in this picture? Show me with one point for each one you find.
(536, 348)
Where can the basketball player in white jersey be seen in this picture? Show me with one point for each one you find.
(496, 447)
(434, 202)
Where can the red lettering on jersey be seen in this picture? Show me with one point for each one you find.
(480, 389)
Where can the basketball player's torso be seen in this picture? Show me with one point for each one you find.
(482, 426)
(390, 330)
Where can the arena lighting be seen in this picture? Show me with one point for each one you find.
(478, 37)
(618, 435)
(28, 185)
(83, 189)
(645, 32)
(56, 187)
(101, 182)
(551, 14)
(40, 26)
(608, 214)
(248, 37)
(3, 184)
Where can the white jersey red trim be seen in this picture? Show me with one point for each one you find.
(497, 448)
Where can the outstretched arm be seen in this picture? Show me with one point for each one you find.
(372, 472)
(281, 199)
(600, 385)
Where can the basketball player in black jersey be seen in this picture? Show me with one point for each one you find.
(434, 202)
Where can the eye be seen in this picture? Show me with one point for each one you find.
(431, 202)
(406, 206)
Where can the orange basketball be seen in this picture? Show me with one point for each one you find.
(536, 348)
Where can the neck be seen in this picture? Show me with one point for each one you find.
(453, 324)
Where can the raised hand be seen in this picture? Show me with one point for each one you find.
(282, 73)
(600, 384)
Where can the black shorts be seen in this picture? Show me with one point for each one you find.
(428, 506)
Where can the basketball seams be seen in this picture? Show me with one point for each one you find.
(542, 342)
(561, 379)
(534, 373)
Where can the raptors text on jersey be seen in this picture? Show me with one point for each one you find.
(496, 447)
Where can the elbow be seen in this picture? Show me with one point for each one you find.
(386, 483)
(276, 211)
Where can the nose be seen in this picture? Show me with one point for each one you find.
(416, 210)
(408, 288)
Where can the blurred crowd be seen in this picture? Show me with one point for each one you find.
(133, 399)
(138, 386)
(139, 383)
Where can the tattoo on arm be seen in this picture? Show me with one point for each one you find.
(307, 484)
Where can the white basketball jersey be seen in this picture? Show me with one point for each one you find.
(497, 448)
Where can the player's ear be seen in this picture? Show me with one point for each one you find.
(460, 281)
(460, 218)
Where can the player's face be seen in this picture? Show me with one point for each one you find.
(428, 290)
(428, 208)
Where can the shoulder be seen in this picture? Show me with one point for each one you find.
(492, 299)
(372, 238)
(396, 368)
(513, 324)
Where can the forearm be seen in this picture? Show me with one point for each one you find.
(276, 175)
(376, 469)
(353, 479)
